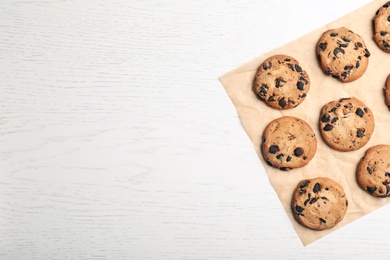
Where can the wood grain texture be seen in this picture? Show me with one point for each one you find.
(117, 140)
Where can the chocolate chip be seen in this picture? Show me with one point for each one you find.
(326, 188)
(346, 203)
(271, 99)
(263, 91)
(343, 45)
(269, 163)
(282, 103)
(288, 158)
(300, 85)
(313, 200)
(346, 39)
(386, 5)
(322, 220)
(324, 198)
(285, 168)
(359, 112)
(316, 187)
(333, 34)
(333, 109)
(386, 45)
(267, 66)
(298, 68)
(367, 53)
(388, 18)
(287, 59)
(334, 120)
(359, 44)
(387, 174)
(328, 71)
(290, 66)
(325, 118)
(342, 99)
(344, 75)
(323, 46)
(377, 12)
(371, 189)
(279, 81)
(273, 149)
(348, 67)
(337, 50)
(280, 156)
(304, 184)
(369, 170)
(298, 151)
(338, 105)
(357, 64)
(306, 201)
(383, 33)
(360, 133)
(328, 127)
(299, 208)
(303, 95)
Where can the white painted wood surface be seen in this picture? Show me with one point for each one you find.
(117, 141)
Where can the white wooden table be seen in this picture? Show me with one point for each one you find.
(117, 141)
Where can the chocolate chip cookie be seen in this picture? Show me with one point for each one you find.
(281, 82)
(319, 203)
(342, 54)
(381, 24)
(288, 142)
(346, 124)
(387, 92)
(373, 171)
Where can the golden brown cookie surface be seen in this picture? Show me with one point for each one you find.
(288, 142)
(373, 171)
(346, 124)
(319, 203)
(281, 82)
(342, 54)
(381, 24)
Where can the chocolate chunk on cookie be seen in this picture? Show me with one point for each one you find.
(387, 92)
(319, 203)
(281, 82)
(346, 124)
(342, 54)
(373, 171)
(288, 142)
(381, 24)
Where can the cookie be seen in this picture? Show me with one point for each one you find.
(319, 203)
(288, 142)
(373, 171)
(381, 25)
(387, 92)
(281, 82)
(346, 124)
(342, 54)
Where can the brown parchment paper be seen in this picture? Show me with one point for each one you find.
(339, 166)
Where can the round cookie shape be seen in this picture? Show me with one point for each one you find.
(387, 92)
(319, 203)
(346, 124)
(281, 82)
(288, 143)
(381, 24)
(373, 171)
(342, 54)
